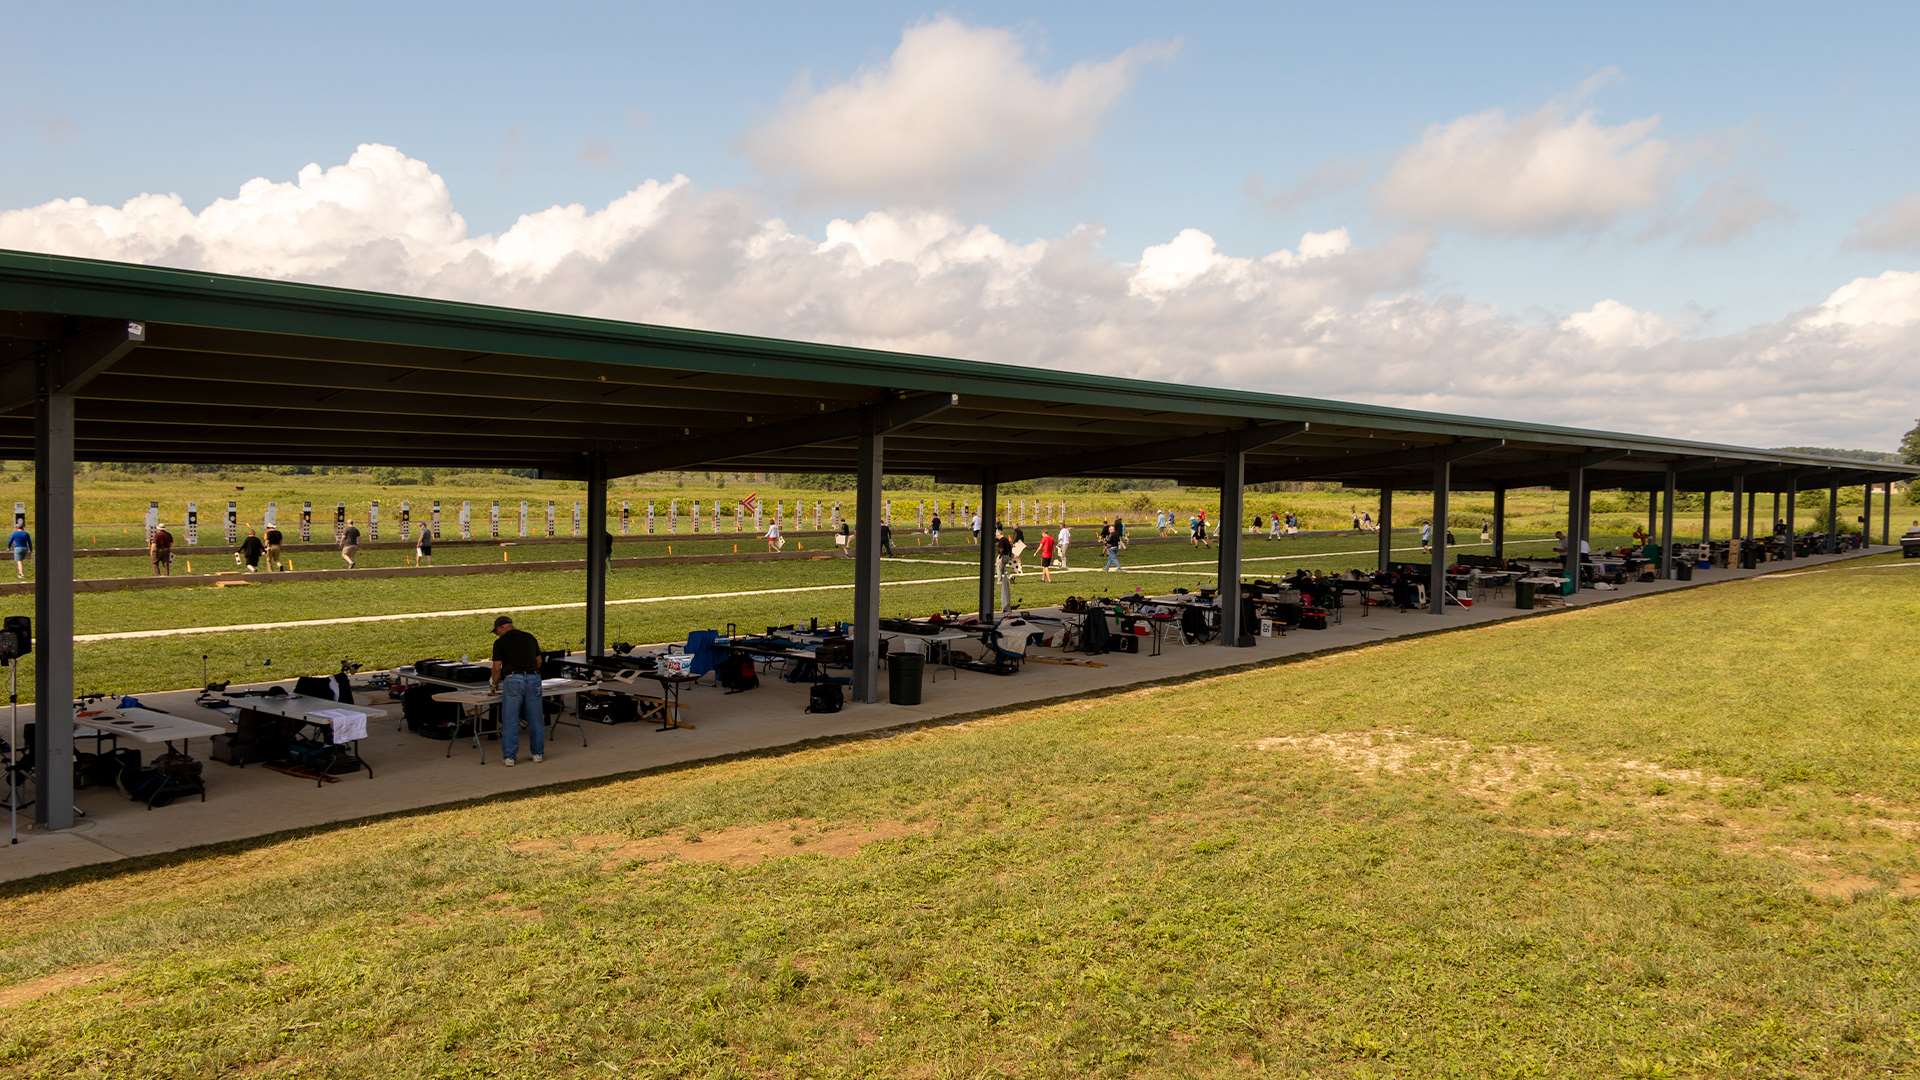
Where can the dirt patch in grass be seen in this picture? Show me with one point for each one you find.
(741, 845)
(1493, 774)
(1843, 887)
(34, 989)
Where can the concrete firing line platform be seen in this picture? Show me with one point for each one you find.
(413, 773)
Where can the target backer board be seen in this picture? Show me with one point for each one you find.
(306, 522)
(193, 524)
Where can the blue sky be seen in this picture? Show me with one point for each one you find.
(1809, 115)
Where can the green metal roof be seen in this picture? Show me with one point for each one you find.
(268, 361)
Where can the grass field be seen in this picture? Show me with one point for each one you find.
(110, 506)
(1670, 837)
(924, 580)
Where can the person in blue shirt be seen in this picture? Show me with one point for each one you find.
(22, 546)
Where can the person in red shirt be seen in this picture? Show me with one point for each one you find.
(1046, 556)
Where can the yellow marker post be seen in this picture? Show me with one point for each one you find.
(189, 566)
(736, 549)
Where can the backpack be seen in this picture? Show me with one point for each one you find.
(825, 698)
(736, 673)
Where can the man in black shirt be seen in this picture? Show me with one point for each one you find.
(250, 549)
(516, 678)
(274, 542)
(349, 543)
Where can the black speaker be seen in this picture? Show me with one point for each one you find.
(16, 637)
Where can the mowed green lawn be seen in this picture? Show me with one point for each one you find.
(1668, 837)
(749, 596)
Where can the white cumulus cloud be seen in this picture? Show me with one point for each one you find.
(1893, 227)
(1552, 170)
(1331, 316)
(1613, 324)
(956, 109)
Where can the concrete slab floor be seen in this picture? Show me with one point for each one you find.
(412, 773)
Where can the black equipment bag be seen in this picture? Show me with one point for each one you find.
(322, 757)
(605, 708)
(433, 719)
(825, 698)
(1313, 619)
(104, 769)
(736, 673)
(1095, 631)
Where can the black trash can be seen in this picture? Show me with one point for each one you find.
(904, 672)
(1523, 594)
(1683, 571)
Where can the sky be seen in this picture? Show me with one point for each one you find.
(1693, 220)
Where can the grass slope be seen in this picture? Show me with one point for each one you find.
(1671, 837)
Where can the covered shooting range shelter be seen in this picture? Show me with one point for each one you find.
(105, 361)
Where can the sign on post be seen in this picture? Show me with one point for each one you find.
(373, 521)
(576, 520)
(549, 519)
(523, 519)
(233, 523)
(696, 515)
(406, 520)
(153, 519)
(339, 521)
(493, 520)
(306, 522)
(436, 519)
(193, 524)
(466, 520)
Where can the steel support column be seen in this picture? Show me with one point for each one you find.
(1753, 503)
(1233, 473)
(1653, 508)
(53, 607)
(597, 555)
(1576, 503)
(1499, 523)
(989, 505)
(1586, 510)
(1386, 528)
(1666, 527)
(1833, 519)
(1706, 517)
(1866, 516)
(1886, 513)
(1792, 498)
(866, 568)
(1733, 547)
(1437, 576)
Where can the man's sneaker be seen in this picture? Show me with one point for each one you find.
(508, 762)
(538, 758)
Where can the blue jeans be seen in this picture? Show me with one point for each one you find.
(520, 698)
(1113, 557)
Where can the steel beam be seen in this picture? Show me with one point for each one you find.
(1232, 509)
(1666, 528)
(680, 453)
(1793, 498)
(871, 475)
(53, 604)
(1150, 453)
(1386, 528)
(989, 505)
(1330, 467)
(1500, 523)
(1437, 572)
(597, 555)
(70, 365)
(1576, 522)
